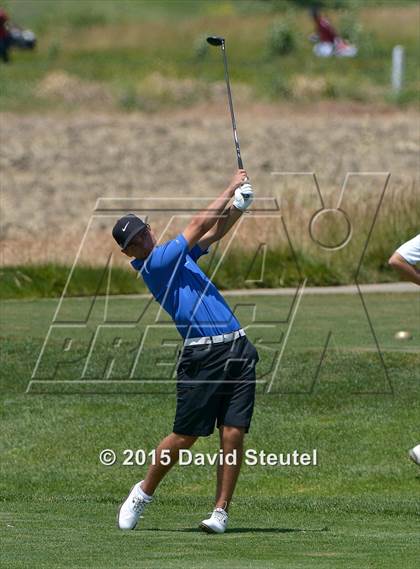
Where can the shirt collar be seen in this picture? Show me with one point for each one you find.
(137, 264)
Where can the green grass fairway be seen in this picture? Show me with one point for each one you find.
(358, 508)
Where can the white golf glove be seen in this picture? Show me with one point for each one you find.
(244, 196)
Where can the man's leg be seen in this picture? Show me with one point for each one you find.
(174, 443)
(3, 51)
(141, 493)
(231, 438)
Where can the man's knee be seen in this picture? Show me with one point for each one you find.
(233, 435)
(184, 441)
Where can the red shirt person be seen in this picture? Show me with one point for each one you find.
(4, 36)
(328, 41)
(324, 29)
(4, 18)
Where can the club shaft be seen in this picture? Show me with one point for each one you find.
(232, 114)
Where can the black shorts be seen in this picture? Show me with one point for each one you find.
(215, 383)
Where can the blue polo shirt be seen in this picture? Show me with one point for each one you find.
(184, 291)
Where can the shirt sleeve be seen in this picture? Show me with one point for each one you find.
(196, 252)
(410, 251)
(166, 258)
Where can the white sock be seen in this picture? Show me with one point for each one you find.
(143, 494)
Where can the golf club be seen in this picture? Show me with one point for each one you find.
(221, 42)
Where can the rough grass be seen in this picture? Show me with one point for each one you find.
(56, 168)
(238, 270)
(117, 46)
(272, 260)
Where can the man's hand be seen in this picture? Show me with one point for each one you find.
(238, 179)
(242, 190)
(244, 197)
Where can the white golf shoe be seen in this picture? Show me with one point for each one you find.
(414, 454)
(216, 523)
(130, 511)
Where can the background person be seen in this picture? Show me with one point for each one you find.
(404, 260)
(328, 40)
(5, 38)
(216, 370)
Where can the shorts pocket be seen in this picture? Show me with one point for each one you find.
(190, 364)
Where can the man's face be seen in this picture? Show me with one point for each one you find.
(141, 245)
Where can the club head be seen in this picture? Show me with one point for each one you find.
(215, 40)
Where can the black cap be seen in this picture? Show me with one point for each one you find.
(126, 228)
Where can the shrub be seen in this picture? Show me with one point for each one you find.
(86, 19)
(279, 87)
(200, 48)
(350, 28)
(130, 100)
(282, 38)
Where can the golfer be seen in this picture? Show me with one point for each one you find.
(404, 260)
(216, 366)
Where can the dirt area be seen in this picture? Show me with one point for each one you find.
(56, 166)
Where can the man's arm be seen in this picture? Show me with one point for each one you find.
(225, 222)
(202, 222)
(407, 271)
